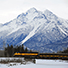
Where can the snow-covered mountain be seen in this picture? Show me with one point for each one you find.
(42, 31)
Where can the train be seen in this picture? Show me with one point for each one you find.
(26, 54)
(38, 55)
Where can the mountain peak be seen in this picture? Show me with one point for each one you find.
(32, 10)
(47, 11)
(50, 15)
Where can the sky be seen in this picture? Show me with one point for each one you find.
(10, 9)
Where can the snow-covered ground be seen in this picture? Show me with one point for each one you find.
(39, 64)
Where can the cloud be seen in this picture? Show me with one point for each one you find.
(11, 8)
(66, 2)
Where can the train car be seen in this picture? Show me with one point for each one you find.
(53, 56)
(26, 54)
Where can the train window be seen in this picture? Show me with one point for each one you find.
(57, 55)
(44, 55)
(64, 56)
(61, 56)
(51, 55)
(40, 55)
(47, 55)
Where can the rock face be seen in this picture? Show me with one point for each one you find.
(40, 31)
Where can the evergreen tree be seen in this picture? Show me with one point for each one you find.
(22, 48)
(64, 51)
(30, 50)
(8, 49)
(18, 48)
(11, 50)
(26, 50)
(5, 52)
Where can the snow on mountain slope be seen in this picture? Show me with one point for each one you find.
(36, 30)
(63, 31)
(0, 25)
(30, 34)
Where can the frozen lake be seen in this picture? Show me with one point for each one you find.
(39, 64)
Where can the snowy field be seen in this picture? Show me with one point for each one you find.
(39, 64)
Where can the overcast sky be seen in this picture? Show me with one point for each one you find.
(10, 9)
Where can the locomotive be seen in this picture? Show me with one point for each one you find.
(26, 54)
(38, 55)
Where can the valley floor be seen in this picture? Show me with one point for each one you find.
(39, 64)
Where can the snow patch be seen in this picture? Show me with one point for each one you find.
(30, 34)
(62, 30)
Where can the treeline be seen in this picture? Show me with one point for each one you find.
(10, 50)
(64, 51)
